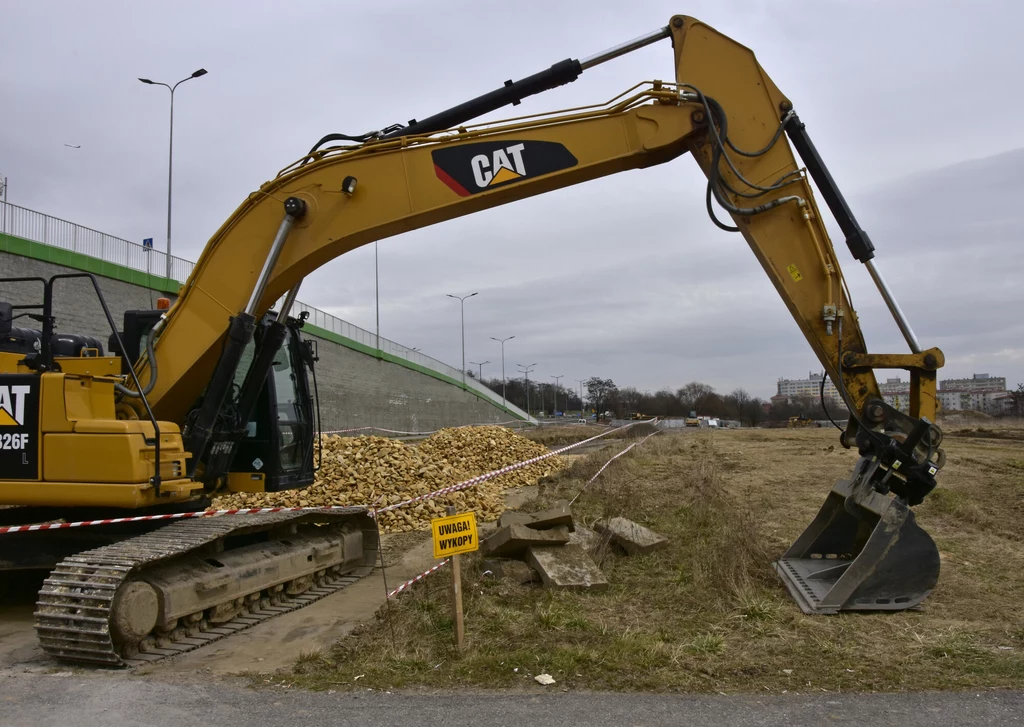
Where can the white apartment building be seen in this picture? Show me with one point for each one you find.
(808, 388)
(978, 382)
(981, 392)
(989, 402)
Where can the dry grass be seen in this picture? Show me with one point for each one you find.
(707, 613)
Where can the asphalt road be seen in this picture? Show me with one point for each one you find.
(32, 700)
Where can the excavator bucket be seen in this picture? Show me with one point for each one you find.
(864, 551)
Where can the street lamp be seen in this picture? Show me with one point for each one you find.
(557, 379)
(526, 370)
(580, 382)
(502, 342)
(462, 303)
(481, 365)
(170, 154)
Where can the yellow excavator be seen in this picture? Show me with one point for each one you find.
(212, 394)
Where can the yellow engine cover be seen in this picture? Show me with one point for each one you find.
(62, 445)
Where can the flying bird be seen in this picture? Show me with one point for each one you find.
(73, 146)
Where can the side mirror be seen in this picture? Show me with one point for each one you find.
(6, 318)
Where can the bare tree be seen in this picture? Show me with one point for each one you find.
(1017, 400)
(631, 398)
(693, 395)
(598, 390)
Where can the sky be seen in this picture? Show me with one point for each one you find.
(913, 105)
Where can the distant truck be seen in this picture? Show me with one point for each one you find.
(692, 420)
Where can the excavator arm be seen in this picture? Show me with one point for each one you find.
(722, 109)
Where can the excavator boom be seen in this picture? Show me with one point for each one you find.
(864, 549)
(725, 111)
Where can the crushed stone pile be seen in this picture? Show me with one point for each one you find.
(378, 471)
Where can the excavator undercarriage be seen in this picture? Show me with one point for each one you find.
(186, 584)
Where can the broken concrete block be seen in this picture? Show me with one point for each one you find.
(512, 540)
(633, 538)
(511, 517)
(518, 572)
(556, 515)
(506, 569)
(586, 539)
(566, 567)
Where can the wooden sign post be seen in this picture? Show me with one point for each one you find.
(453, 535)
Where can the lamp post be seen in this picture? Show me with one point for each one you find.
(502, 342)
(462, 303)
(580, 382)
(526, 371)
(170, 154)
(554, 409)
(481, 365)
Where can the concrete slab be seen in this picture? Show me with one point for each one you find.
(556, 515)
(635, 539)
(511, 517)
(566, 567)
(512, 540)
(588, 540)
(507, 569)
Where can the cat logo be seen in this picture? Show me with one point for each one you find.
(504, 165)
(12, 405)
(480, 167)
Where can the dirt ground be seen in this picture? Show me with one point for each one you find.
(708, 613)
(705, 614)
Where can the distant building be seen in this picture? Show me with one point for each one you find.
(896, 393)
(978, 382)
(809, 388)
(895, 386)
(989, 402)
(981, 392)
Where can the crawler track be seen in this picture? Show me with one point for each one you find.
(74, 612)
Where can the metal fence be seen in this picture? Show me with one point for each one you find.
(38, 227)
(31, 225)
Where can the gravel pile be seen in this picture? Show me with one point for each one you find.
(377, 471)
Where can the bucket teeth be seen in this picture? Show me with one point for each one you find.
(863, 551)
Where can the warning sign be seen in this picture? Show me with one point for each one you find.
(454, 534)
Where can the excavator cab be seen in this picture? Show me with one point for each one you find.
(274, 449)
(276, 452)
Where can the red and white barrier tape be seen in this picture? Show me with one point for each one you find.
(168, 516)
(258, 510)
(605, 465)
(418, 578)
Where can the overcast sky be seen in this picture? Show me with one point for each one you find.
(623, 277)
